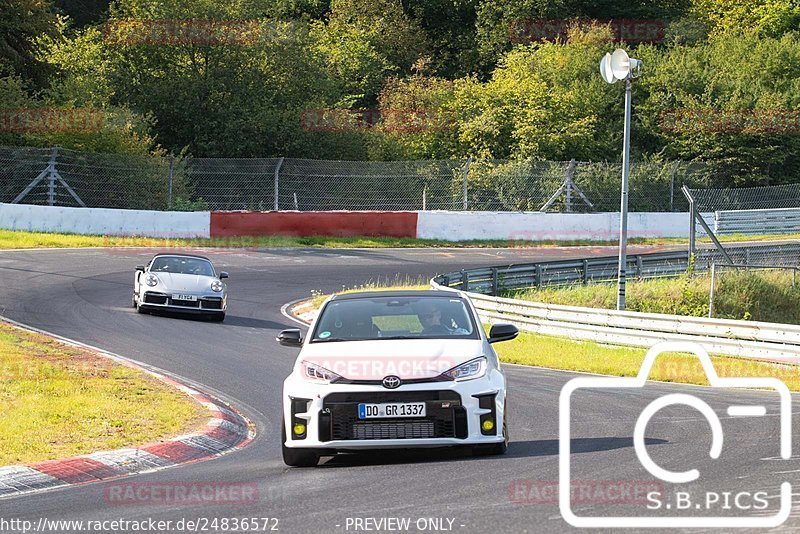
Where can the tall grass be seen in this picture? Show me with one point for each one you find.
(763, 295)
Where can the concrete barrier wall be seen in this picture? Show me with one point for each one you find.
(100, 221)
(444, 225)
(325, 223)
(536, 226)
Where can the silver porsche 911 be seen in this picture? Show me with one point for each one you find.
(181, 283)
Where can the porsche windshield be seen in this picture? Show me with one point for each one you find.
(182, 265)
(395, 318)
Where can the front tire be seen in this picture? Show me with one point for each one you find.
(217, 317)
(297, 457)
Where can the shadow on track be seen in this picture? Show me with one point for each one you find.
(516, 449)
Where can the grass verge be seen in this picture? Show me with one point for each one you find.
(16, 239)
(590, 357)
(58, 401)
(759, 295)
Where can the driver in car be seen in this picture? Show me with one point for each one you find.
(429, 313)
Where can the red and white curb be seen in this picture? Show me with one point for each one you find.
(226, 431)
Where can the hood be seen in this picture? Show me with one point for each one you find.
(185, 282)
(407, 358)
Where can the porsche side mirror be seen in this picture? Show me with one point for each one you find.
(290, 338)
(140, 268)
(222, 275)
(502, 332)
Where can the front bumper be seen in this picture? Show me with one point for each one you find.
(453, 417)
(205, 303)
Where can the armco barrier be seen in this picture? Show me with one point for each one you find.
(323, 223)
(749, 339)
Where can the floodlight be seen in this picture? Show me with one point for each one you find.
(622, 66)
(605, 69)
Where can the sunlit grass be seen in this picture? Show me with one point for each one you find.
(58, 401)
(18, 239)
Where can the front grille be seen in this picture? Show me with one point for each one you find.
(184, 303)
(339, 418)
(395, 430)
(212, 303)
(154, 298)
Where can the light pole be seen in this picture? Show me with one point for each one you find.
(615, 67)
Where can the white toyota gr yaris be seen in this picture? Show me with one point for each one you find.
(394, 369)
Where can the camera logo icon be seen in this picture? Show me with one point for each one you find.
(675, 477)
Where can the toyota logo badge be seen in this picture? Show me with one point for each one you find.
(391, 382)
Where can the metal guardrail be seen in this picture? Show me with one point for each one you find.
(749, 339)
(749, 222)
(507, 278)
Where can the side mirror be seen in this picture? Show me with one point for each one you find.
(290, 338)
(502, 332)
(140, 268)
(222, 275)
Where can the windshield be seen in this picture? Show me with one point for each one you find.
(395, 318)
(182, 265)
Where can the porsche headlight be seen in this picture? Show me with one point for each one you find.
(216, 285)
(467, 371)
(151, 280)
(317, 373)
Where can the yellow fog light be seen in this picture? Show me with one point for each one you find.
(299, 429)
(487, 425)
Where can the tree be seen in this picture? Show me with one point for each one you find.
(363, 41)
(22, 23)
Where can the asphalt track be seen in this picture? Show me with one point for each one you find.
(85, 295)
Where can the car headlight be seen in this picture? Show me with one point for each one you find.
(216, 285)
(151, 280)
(467, 371)
(317, 373)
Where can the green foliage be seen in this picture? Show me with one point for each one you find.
(22, 24)
(363, 41)
(757, 295)
(765, 17)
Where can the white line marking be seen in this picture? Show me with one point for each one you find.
(747, 411)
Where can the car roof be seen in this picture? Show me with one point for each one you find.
(197, 256)
(398, 293)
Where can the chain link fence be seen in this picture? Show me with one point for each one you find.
(57, 176)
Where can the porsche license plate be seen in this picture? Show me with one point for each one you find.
(190, 298)
(392, 409)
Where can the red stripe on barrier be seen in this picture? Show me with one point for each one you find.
(322, 223)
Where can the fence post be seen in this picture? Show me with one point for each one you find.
(277, 182)
(425, 196)
(538, 275)
(639, 267)
(672, 186)
(711, 292)
(51, 177)
(170, 177)
(494, 281)
(568, 174)
(464, 180)
(585, 272)
(692, 221)
(464, 280)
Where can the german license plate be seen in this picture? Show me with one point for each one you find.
(190, 298)
(391, 409)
